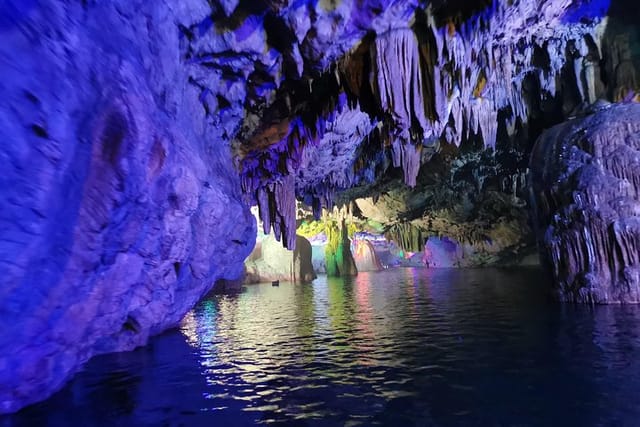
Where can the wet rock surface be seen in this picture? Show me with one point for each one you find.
(269, 261)
(121, 201)
(119, 211)
(586, 196)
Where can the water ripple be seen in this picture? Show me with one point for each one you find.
(450, 344)
(399, 347)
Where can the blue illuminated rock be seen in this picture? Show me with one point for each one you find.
(134, 134)
(586, 195)
(119, 205)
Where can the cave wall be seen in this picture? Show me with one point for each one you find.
(119, 204)
(586, 197)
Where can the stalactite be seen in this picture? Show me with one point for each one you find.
(331, 165)
(399, 78)
(284, 195)
(277, 205)
(411, 155)
(477, 69)
(408, 237)
(265, 211)
(396, 152)
(450, 82)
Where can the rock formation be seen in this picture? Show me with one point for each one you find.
(473, 199)
(586, 195)
(120, 204)
(269, 261)
(391, 98)
(338, 258)
(136, 135)
(365, 256)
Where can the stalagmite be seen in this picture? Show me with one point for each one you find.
(338, 257)
(365, 256)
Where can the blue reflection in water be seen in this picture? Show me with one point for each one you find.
(399, 347)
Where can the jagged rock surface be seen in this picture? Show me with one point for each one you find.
(365, 256)
(410, 84)
(270, 261)
(473, 199)
(119, 204)
(586, 193)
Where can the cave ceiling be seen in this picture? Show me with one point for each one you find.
(318, 97)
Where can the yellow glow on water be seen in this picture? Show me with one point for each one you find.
(189, 328)
(364, 316)
(256, 337)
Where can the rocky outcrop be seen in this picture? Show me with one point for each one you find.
(270, 261)
(339, 260)
(473, 200)
(365, 256)
(586, 195)
(385, 105)
(119, 204)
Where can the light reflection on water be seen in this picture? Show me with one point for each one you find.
(399, 347)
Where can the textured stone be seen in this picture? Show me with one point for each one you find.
(474, 200)
(410, 83)
(270, 261)
(119, 204)
(339, 260)
(586, 195)
(365, 257)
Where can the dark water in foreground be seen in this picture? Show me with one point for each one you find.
(400, 347)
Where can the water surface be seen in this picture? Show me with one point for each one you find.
(400, 347)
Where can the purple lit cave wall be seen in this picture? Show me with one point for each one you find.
(135, 136)
(586, 186)
(120, 204)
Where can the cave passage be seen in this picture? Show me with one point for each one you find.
(328, 212)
